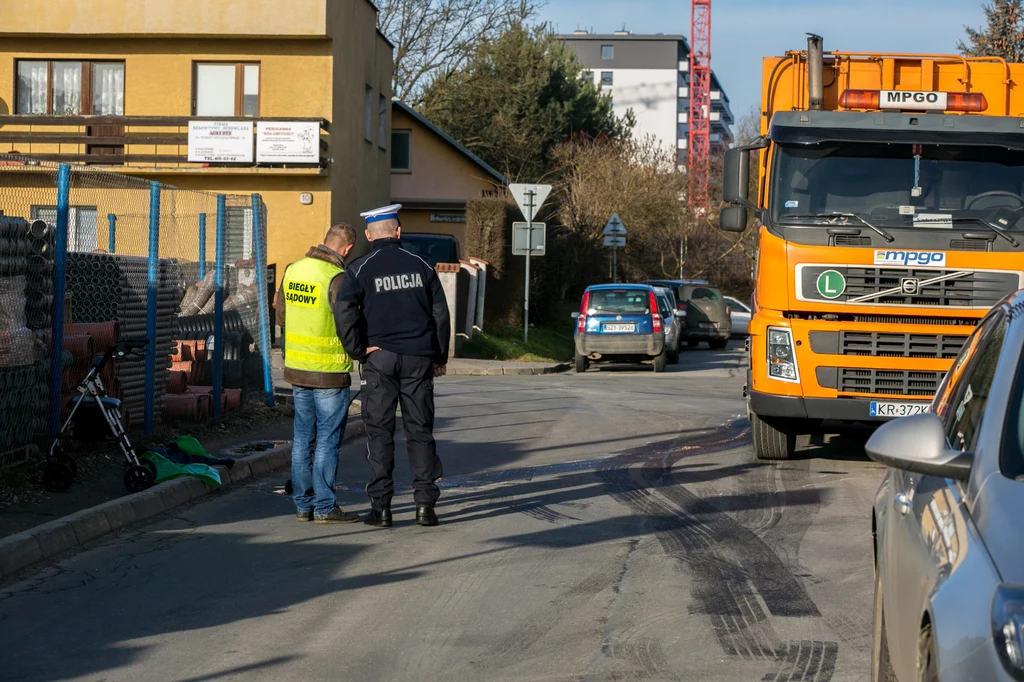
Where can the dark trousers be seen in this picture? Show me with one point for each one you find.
(390, 379)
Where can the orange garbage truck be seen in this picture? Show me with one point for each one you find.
(888, 194)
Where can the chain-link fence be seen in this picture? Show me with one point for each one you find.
(88, 258)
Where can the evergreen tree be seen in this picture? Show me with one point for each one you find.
(1002, 37)
(519, 96)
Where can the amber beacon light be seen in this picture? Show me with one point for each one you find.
(910, 100)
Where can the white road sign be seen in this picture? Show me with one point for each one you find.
(538, 240)
(614, 226)
(612, 240)
(522, 193)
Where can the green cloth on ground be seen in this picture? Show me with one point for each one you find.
(167, 470)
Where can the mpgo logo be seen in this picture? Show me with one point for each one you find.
(926, 259)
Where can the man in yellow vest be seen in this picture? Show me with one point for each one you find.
(317, 367)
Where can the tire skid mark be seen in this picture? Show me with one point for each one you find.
(729, 562)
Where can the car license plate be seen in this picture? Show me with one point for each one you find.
(880, 409)
(620, 328)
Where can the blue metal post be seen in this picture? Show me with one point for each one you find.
(218, 311)
(202, 246)
(259, 237)
(60, 258)
(153, 283)
(111, 242)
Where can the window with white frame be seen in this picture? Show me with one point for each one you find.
(401, 151)
(81, 225)
(226, 89)
(69, 88)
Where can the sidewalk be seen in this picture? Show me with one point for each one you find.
(456, 367)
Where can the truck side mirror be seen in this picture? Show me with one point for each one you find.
(736, 176)
(733, 219)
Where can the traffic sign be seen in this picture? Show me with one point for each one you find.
(530, 198)
(538, 240)
(615, 240)
(614, 226)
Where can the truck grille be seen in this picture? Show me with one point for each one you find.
(973, 289)
(889, 381)
(880, 344)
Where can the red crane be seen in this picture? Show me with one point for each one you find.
(700, 104)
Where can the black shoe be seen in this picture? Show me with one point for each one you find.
(426, 516)
(304, 515)
(336, 515)
(381, 518)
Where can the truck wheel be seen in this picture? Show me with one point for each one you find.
(719, 344)
(659, 362)
(773, 440)
(581, 363)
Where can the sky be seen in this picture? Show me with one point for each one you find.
(744, 31)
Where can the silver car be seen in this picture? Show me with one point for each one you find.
(739, 313)
(673, 325)
(948, 519)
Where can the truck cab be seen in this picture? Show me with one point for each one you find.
(889, 203)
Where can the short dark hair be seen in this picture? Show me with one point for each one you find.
(342, 232)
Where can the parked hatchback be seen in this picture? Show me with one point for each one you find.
(673, 323)
(707, 315)
(620, 323)
(949, 561)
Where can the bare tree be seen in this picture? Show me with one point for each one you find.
(434, 38)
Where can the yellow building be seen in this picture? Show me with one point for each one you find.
(302, 88)
(433, 176)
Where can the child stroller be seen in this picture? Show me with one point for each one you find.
(93, 414)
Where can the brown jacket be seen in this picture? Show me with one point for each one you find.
(303, 378)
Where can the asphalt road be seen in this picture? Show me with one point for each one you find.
(609, 526)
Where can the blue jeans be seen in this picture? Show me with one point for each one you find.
(320, 418)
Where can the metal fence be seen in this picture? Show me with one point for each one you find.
(88, 257)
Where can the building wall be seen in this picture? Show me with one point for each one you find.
(322, 75)
(306, 18)
(652, 94)
(439, 172)
(361, 172)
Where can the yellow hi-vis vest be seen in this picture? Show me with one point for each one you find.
(311, 342)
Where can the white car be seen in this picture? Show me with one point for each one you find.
(739, 313)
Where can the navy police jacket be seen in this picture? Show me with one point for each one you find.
(391, 298)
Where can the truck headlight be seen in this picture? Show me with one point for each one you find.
(1008, 628)
(781, 358)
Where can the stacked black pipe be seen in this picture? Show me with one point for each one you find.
(109, 287)
(237, 344)
(26, 299)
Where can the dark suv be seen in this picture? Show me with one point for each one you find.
(436, 248)
(707, 315)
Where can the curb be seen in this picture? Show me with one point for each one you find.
(18, 552)
(509, 371)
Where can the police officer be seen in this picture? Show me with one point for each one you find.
(392, 316)
(318, 369)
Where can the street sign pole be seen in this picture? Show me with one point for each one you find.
(529, 248)
(615, 265)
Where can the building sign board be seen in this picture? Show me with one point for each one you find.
(447, 217)
(288, 142)
(220, 141)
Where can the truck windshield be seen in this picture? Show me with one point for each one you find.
(897, 185)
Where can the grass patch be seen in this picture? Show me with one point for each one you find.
(546, 345)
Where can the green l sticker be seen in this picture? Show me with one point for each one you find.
(831, 284)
